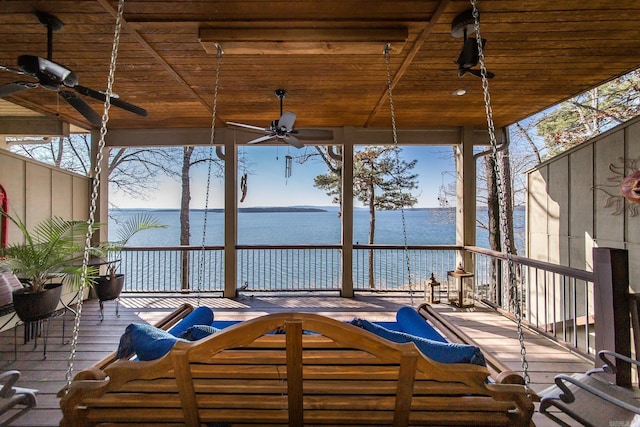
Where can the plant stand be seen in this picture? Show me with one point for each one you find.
(101, 316)
(108, 288)
(36, 328)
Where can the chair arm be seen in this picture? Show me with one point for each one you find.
(9, 378)
(567, 395)
(609, 367)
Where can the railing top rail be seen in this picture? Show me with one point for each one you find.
(553, 268)
(295, 246)
(171, 248)
(411, 247)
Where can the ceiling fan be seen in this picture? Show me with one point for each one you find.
(54, 76)
(283, 128)
(469, 57)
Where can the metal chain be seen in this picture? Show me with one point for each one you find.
(94, 190)
(206, 200)
(387, 50)
(506, 241)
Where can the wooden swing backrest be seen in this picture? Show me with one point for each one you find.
(319, 371)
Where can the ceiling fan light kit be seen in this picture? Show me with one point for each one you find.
(302, 41)
(283, 128)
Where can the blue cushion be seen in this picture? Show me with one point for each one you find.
(147, 341)
(221, 324)
(435, 350)
(412, 323)
(199, 316)
(198, 332)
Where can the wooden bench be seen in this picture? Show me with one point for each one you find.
(319, 372)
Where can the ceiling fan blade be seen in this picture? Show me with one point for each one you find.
(478, 73)
(117, 102)
(262, 139)
(82, 107)
(250, 127)
(316, 134)
(293, 141)
(287, 120)
(11, 88)
(11, 70)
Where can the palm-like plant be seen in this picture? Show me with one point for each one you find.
(53, 249)
(129, 228)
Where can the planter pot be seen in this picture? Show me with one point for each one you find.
(108, 289)
(32, 306)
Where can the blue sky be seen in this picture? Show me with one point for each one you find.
(268, 186)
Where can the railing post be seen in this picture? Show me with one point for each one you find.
(184, 271)
(611, 304)
(230, 216)
(347, 213)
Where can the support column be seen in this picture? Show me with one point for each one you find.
(230, 215)
(611, 306)
(465, 195)
(347, 213)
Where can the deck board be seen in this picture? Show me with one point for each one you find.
(98, 339)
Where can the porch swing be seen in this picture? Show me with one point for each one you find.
(319, 371)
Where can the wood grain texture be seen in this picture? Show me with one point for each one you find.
(541, 51)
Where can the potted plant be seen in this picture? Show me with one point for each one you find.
(108, 287)
(50, 256)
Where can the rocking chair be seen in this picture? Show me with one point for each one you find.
(11, 396)
(590, 400)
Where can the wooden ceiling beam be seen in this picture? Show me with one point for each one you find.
(33, 126)
(302, 41)
(408, 59)
(130, 28)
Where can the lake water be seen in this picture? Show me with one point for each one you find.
(423, 226)
(277, 270)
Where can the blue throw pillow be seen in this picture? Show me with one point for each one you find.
(198, 332)
(199, 316)
(412, 323)
(435, 350)
(147, 341)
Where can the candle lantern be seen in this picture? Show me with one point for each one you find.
(460, 287)
(434, 290)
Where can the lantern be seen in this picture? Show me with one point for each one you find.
(460, 287)
(434, 285)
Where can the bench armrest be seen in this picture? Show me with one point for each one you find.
(567, 396)
(609, 367)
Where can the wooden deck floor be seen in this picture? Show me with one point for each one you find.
(97, 339)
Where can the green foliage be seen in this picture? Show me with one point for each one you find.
(128, 229)
(591, 113)
(380, 179)
(53, 249)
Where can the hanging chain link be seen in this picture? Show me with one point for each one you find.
(500, 183)
(94, 191)
(201, 260)
(394, 130)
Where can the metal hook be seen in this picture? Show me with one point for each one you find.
(387, 49)
(219, 49)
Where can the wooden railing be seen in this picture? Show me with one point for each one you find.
(555, 300)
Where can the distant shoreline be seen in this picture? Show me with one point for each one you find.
(246, 210)
(270, 209)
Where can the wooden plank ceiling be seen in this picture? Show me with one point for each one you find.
(541, 51)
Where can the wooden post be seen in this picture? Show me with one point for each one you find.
(347, 213)
(611, 304)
